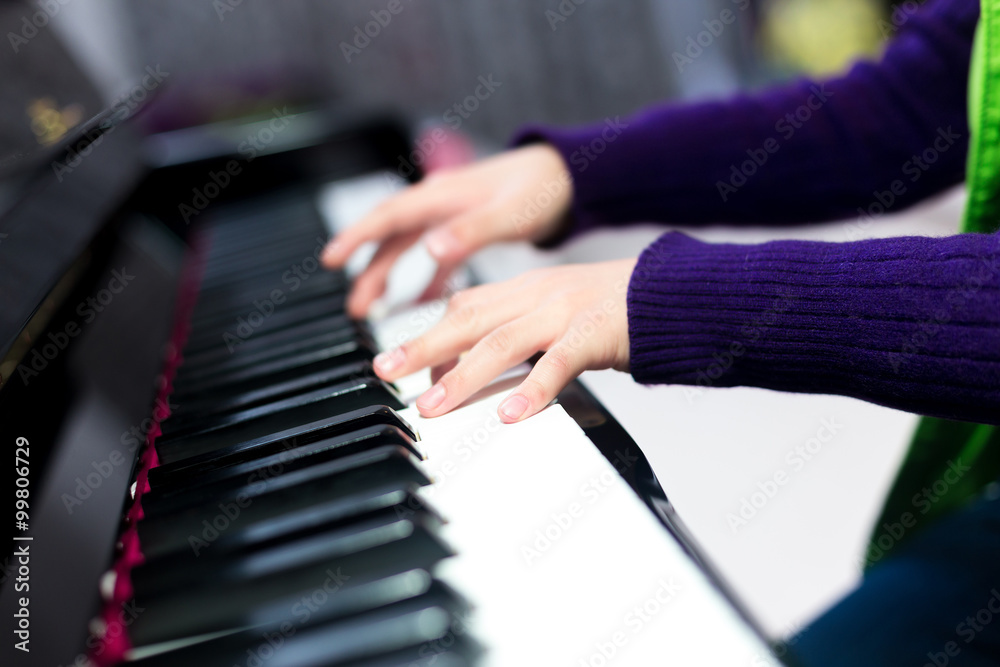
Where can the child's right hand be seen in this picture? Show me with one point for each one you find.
(523, 194)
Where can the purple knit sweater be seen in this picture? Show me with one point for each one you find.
(912, 323)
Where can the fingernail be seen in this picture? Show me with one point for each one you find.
(390, 360)
(513, 407)
(432, 398)
(440, 243)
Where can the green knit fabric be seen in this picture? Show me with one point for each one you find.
(949, 462)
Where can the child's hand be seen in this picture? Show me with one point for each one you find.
(523, 194)
(577, 314)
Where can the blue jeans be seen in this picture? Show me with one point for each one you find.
(935, 601)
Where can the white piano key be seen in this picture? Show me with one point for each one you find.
(564, 563)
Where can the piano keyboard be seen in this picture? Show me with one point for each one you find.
(283, 515)
(296, 518)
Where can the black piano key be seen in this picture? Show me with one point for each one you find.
(270, 273)
(404, 503)
(207, 423)
(206, 331)
(268, 215)
(225, 478)
(406, 540)
(227, 311)
(282, 317)
(192, 371)
(281, 441)
(337, 400)
(284, 516)
(219, 402)
(413, 624)
(277, 370)
(213, 529)
(227, 420)
(288, 246)
(183, 515)
(256, 342)
(228, 239)
(320, 491)
(180, 616)
(230, 298)
(246, 562)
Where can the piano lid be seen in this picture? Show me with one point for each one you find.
(53, 204)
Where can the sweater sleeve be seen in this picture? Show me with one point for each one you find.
(911, 323)
(886, 134)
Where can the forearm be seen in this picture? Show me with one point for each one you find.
(799, 152)
(911, 323)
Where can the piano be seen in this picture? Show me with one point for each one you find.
(212, 475)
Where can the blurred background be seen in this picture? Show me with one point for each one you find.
(553, 61)
(559, 61)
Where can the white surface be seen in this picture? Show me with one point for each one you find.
(564, 564)
(800, 552)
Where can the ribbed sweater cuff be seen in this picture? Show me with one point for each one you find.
(912, 323)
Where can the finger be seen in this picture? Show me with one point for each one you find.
(370, 283)
(498, 351)
(439, 371)
(438, 285)
(556, 369)
(457, 239)
(471, 315)
(414, 207)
